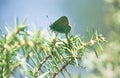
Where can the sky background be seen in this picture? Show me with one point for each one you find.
(81, 14)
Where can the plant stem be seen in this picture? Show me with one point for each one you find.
(61, 69)
(68, 40)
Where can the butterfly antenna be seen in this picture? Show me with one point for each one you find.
(48, 19)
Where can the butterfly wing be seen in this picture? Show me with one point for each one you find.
(62, 21)
(61, 25)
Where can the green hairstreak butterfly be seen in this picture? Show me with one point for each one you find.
(61, 25)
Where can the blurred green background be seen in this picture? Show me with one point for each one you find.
(102, 15)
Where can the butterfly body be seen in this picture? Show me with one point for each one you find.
(61, 25)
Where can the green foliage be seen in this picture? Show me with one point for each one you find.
(41, 53)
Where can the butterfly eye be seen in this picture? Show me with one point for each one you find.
(61, 25)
